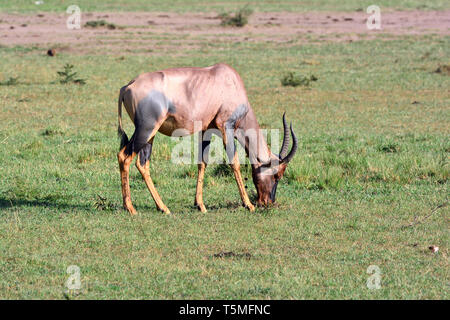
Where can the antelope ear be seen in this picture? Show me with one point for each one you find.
(281, 168)
(276, 170)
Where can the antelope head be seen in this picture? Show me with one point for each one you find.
(266, 176)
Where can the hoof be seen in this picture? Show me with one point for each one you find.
(201, 207)
(250, 207)
(131, 210)
(165, 210)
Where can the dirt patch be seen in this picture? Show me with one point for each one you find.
(163, 32)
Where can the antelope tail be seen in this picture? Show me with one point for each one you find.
(122, 135)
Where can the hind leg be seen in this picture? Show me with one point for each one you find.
(143, 165)
(124, 166)
(146, 128)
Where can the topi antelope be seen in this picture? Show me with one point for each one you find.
(214, 96)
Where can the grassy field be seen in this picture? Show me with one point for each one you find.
(373, 157)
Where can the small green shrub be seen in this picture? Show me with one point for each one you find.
(389, 148)
(10, 82)
(294, 80)
(69, 76)
(52, 131)
(237, 19)
(102, 203)
(443, 69)
(100, 23)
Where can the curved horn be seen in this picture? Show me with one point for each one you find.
(294, 148)
(285, 145)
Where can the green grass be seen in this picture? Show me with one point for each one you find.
(219, 5)
(373, 156)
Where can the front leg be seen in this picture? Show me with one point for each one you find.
(237, 175)
(228, 139)
(199, 191)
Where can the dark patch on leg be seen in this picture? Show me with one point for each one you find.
(203, 155)
(230, 126)
(149, 111)
(129, 145)
(238, 113)
(171, 107)
(145, 153)
(153, 106)
(205, 150)
(230, 148)
(141, 137)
